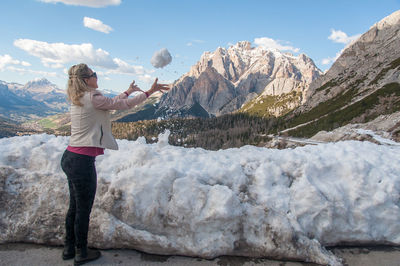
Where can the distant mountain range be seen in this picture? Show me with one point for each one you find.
(35, 99)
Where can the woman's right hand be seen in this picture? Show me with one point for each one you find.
(158, 87)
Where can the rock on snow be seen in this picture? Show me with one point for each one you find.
(249, 201)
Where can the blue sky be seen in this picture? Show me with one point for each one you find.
(117, 38)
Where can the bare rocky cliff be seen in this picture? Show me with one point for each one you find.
(361, 85)
(367, 64)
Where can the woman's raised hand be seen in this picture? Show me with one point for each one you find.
(158, 87)
(133, 87)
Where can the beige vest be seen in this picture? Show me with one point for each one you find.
(91, 127)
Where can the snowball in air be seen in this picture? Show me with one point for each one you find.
(161, 58)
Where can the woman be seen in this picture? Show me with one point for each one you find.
(90, 135)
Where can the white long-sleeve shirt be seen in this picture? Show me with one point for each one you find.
(119, 102)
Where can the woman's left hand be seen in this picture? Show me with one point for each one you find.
(133, 87)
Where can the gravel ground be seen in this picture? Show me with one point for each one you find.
(31, 254)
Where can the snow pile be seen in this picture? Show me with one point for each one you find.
(249, 201)
(377, 137)
(161, 58)
(381, 130)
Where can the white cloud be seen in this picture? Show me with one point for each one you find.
(124, 68)
(198, 41)
(269, 43)
(56, 55)
(192, 42)
(25, 71)
(339, 36)
(96, 25)
(89, 3)
(147, 78)
(328, 60)
(8, 60)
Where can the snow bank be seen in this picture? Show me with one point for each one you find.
(249, 201)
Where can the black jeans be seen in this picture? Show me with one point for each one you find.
(82, 182)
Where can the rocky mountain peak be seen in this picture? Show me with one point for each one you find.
(244, 45)
(234, 62)
(11, 86)
(388, 21)
(240, 73)
(39, 81)
(41, 85)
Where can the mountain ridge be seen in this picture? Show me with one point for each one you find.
(35, 99)
(363, 83)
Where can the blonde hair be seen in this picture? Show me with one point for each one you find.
(76, 84)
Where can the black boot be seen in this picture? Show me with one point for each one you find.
(68, 252)
(83, 255)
